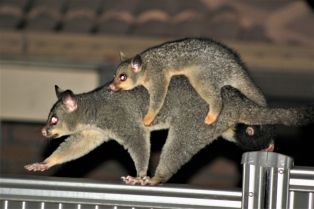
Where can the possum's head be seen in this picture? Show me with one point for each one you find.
(254, 137)
(128, 74)
(63, 117)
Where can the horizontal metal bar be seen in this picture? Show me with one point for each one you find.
(302, 179)
(76, 191)
(299, 170)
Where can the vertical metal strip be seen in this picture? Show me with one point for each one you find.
(6, 204)
(253, 187)
(311, 203)
(23, 205)
(291, 200)
(278, 188)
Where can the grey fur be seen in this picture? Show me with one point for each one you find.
(103, 115)
(207, 64)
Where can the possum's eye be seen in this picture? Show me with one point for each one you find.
(123, 77)
(53, 120)
(250, 131)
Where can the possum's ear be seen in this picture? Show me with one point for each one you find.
(122, 56)
(58, 91)
(136, 63)
(69, 100)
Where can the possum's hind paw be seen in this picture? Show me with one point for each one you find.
(210, 118)
(144, 181)
(131, 180)
(148, 119)
(150, 181)
(36, 167)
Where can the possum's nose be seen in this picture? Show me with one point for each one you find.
(44, 132)
(113, 87)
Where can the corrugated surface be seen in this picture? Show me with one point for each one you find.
(301, 188)
(51, 193)
(61, 193)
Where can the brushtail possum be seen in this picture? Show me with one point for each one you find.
(93, 118)
(207, 64)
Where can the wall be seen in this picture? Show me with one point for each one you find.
(27, 90)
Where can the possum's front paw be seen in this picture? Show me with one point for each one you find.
(36, 167)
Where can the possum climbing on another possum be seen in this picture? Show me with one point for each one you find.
(208, 65)
(93, 118)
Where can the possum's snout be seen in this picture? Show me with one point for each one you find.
(44, 132)
(113, 87)
(48, 134)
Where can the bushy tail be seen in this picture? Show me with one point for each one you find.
(298, 116)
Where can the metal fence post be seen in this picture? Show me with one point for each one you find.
(265, 180)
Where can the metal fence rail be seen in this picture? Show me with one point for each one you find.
(301, 191)
(269, 181)
(265, 180)
(56, 193)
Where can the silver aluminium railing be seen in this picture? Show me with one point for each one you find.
(269, 181)
(56, 193)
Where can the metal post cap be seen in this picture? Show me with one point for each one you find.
(267, 159)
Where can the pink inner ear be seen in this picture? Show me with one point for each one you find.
(134, 66)
(70, 103)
